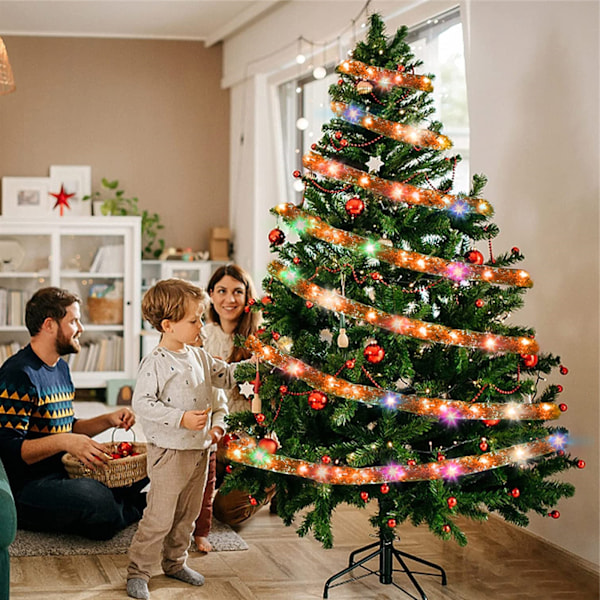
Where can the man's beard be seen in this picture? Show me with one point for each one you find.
(66, 345)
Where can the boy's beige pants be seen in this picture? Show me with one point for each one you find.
(177, 480)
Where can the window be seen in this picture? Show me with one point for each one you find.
(439, 44)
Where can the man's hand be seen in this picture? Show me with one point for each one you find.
(195, 419)
(122, 418)
(91, 453)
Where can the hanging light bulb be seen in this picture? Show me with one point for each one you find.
(300, 59)
(302, 123)
(298, 185)
(319, 72)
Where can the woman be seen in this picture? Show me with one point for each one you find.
(230, 288)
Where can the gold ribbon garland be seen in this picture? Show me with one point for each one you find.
(384, 77)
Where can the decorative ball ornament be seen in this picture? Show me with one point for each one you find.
(374, 353)
(515, 250)
(268, 445)
(411, 462)
(452, 502)
(484, 446)
(296, 174)
(228, 438)
(529, 360)
(275, 335)
(491, 422)
(326, 459)
(338, 135)
(479, 303)
(562, 407)
(554, 514)
(309, 304)
(385, 488)
(364, 87)
(276, 237)
(296, 260)
(266, 300)
(563, 370)
(125, 449)
(253, 500)
(581, 464)
(474, 257)
(317, 400)
(283, 390)
(355, 206)
(391, 523)
(559, 388)
(515, 492)
(364, 496)
(446, 528)
(441, 457)
(229, 469)
(350, 363)
(260, 418)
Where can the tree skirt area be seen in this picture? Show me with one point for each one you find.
(35, 543)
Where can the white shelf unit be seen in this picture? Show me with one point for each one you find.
(196, 271)
(63, 252)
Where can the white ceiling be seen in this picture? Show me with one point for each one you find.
(204, 20)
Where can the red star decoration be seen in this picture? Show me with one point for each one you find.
(62, 199)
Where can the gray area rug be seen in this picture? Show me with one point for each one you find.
(34, 543)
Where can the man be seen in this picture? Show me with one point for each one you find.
(37, 426)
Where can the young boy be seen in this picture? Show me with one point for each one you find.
(181, 418)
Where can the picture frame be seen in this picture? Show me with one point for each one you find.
(119, 392)
(26, 197)
(76, 179)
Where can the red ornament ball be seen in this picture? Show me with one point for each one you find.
(228, 469)
(452, 502)
(276, 237)
(296, 173)
(491, 422)
(351, 363)
(125, 448)
(266, 300)
(391, 523)
(581, 464)
(309, 304)
(529, 360)
(374, 353)
(268, 445)
(313, 146)
(440, 456)
(116, 455)
(260, 418)
(296, 260)
(446, 528)
(364, 496)
(515, 250)
(411, 462)
(474, 257)
(275, 335)
(559, 388)
(340, 81)
(563, 370)
(484, 446)
(326, 459)
(355, 206)
(562, 407)
(317, 400)
(479, 303)
(283, 390)
(385, 488)
(253, 500)
(338, 135)
(343, 143)
(554, 514)
(228, 438)
(515, 492)
(247, 309)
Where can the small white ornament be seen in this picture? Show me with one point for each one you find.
(247, 389)
(342, 340)
(370, 293)
(325, 335)
(375, 163)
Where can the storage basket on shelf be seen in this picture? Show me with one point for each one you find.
(118, 472)
(105, 311)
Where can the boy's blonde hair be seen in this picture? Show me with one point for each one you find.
(171, 299)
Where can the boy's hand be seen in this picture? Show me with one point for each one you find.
(195, 419)
(216, 433)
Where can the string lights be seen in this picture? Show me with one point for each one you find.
(394, 190)
(414, 261)
(422, 330)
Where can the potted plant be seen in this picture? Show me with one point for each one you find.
(112, 201)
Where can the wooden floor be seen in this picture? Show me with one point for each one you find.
(499, 563)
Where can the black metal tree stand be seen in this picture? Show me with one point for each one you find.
(386, 553)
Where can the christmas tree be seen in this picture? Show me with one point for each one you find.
(390, 367)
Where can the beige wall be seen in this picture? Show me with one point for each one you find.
(149, 113)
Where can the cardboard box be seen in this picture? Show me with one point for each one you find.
(219, 243)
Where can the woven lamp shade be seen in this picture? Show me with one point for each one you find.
(7, 81)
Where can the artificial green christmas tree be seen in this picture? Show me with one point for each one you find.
(390, 371)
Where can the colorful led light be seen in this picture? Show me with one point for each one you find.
(391, 129)
(385, 77)
(422, 263)
(241, 451)
(393, 190)
(426, 407)
(429, 332)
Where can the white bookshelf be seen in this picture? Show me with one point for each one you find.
(81, 254)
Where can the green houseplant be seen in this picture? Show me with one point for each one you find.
(114, 202)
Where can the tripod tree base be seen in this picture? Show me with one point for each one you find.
(386, 552)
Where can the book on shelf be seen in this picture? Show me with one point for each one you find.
(108, 259)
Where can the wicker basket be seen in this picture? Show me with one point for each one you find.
(119, 472)
(105, 311)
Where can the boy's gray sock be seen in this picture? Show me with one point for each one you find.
(187, 575)
(138, 588)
